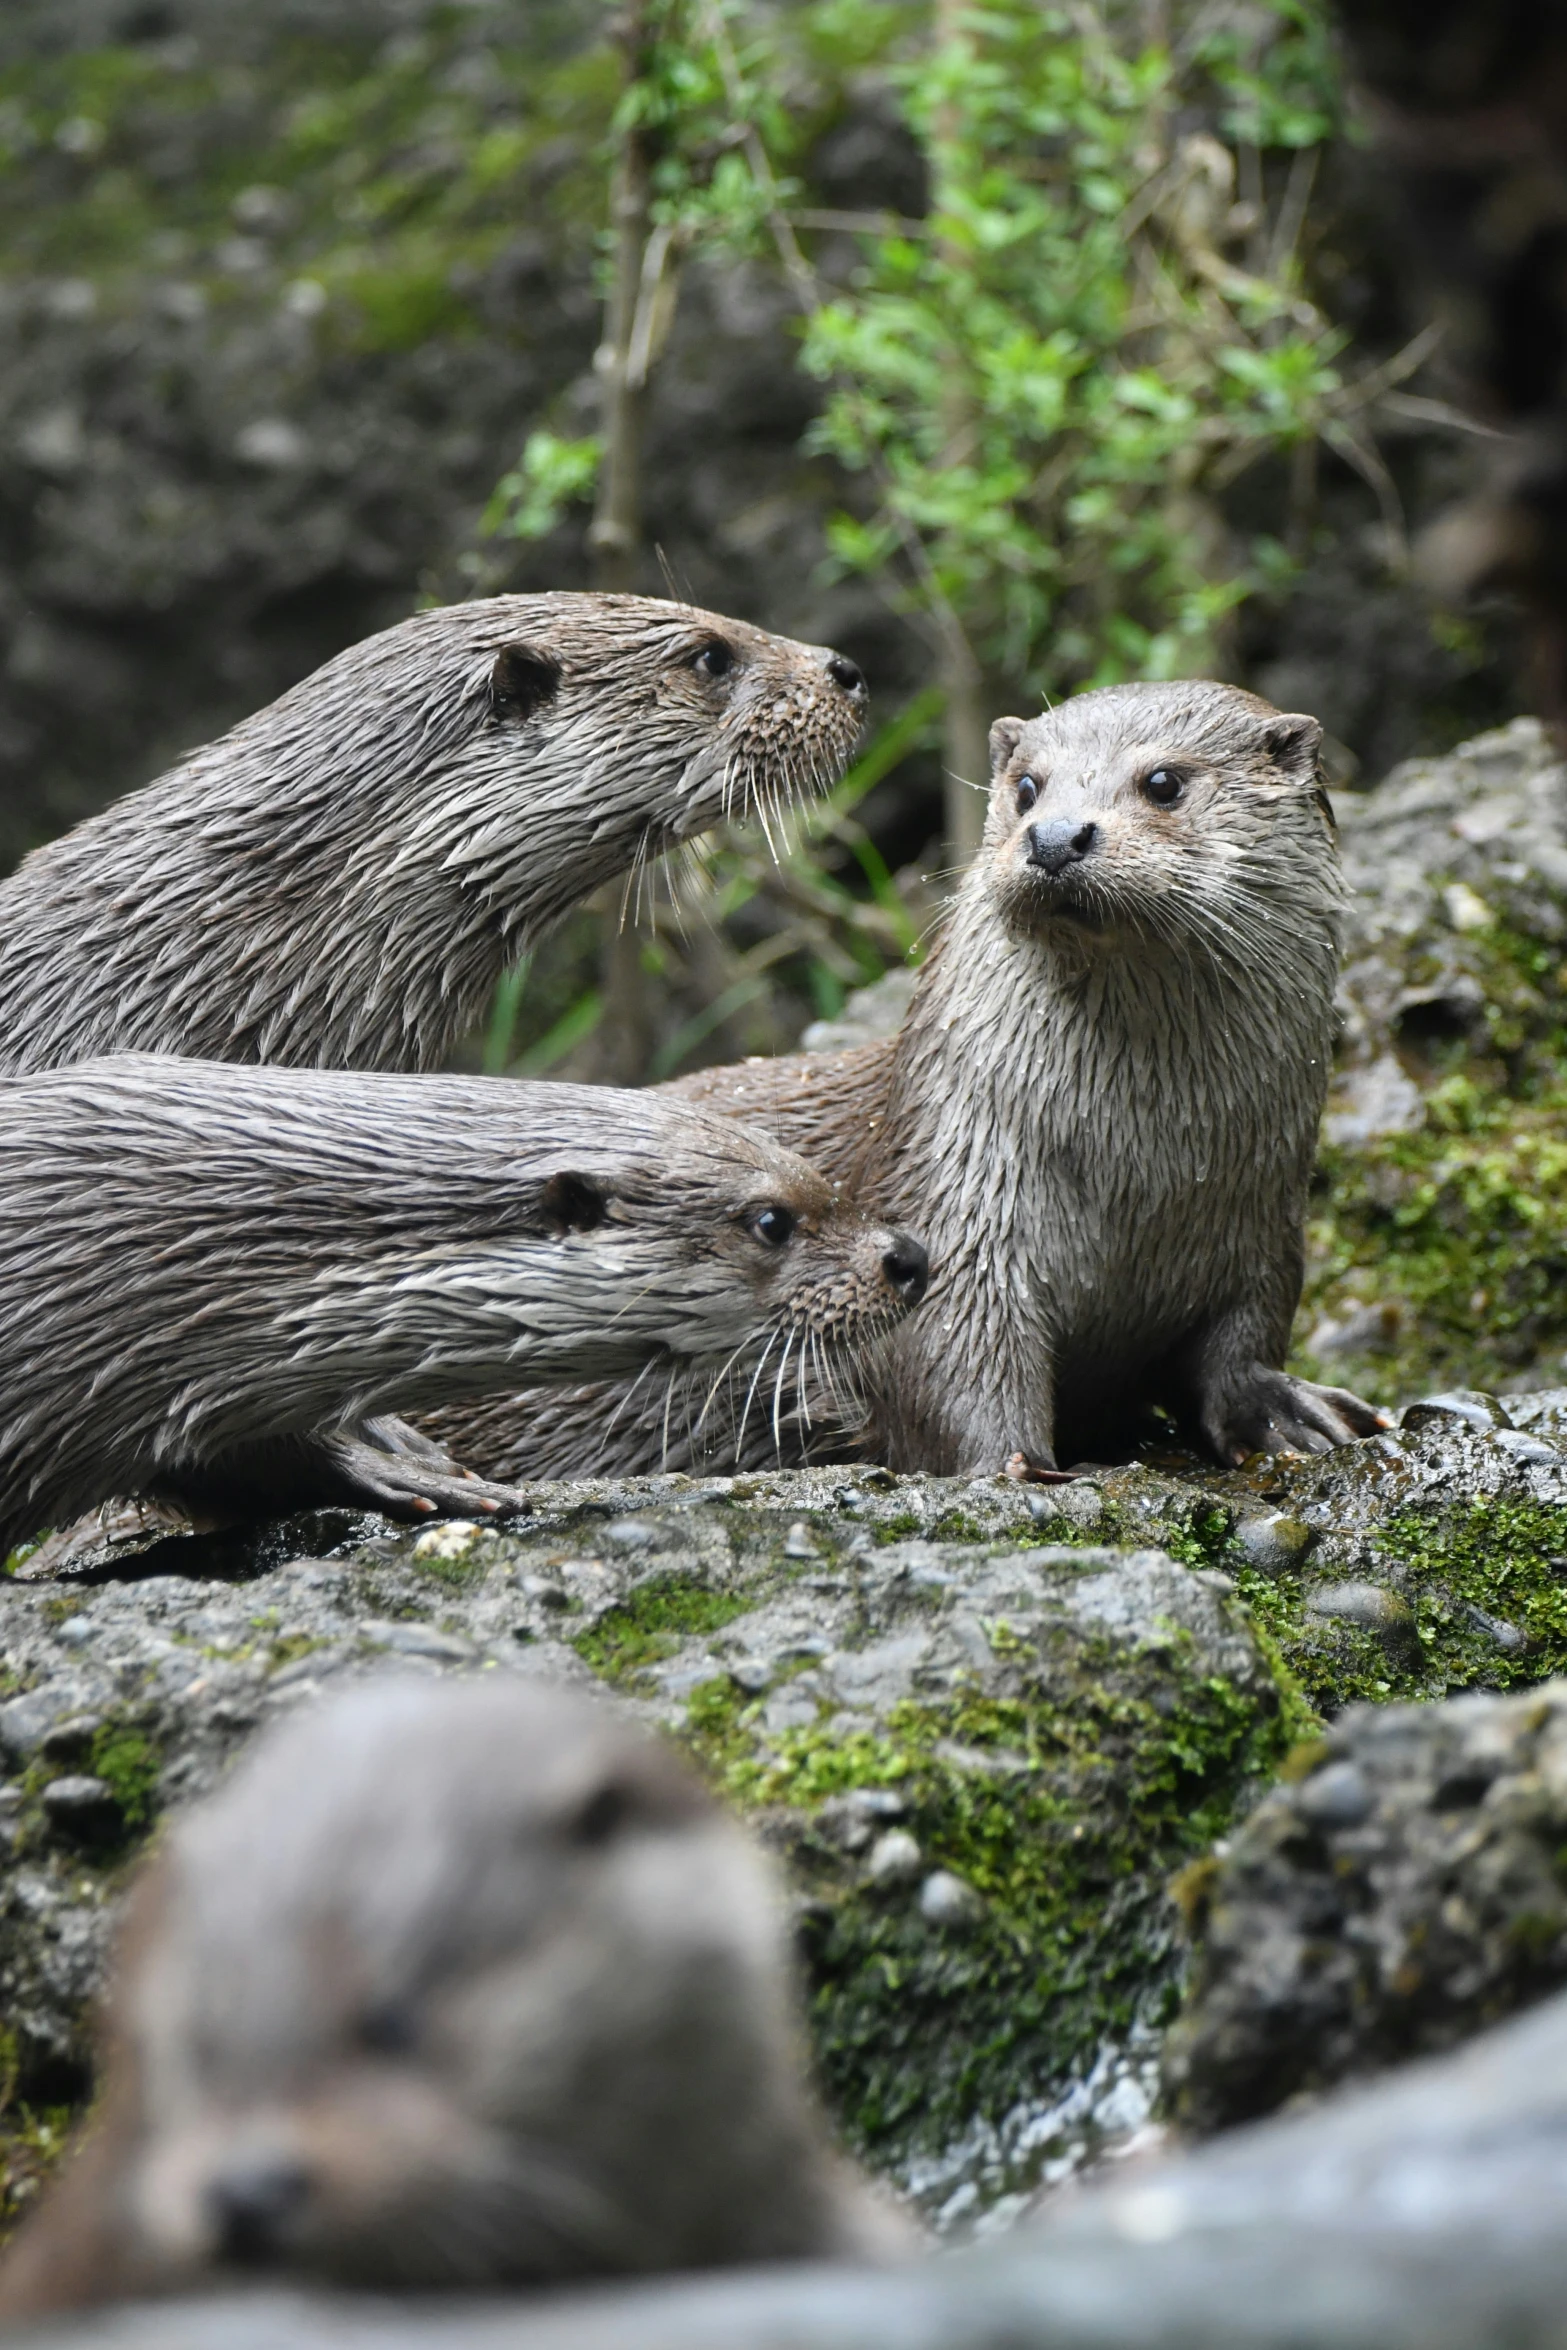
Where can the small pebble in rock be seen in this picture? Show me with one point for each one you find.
(70, 1736)
(945, 1900)
(1369, 1604)
(75, 1631)
(543, 1593)
(849, 1497)
(81, 1805)
(1527, 1449)
(851, 1819)
(895, 1858)
(1477, 1411)
(1335, 1797)
(1274, 1543)
(452, 1541)
(631, 1534)
(799, 1542)
(1511, 1639)
(753, 1674)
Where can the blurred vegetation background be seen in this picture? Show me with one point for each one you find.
(1008, 348)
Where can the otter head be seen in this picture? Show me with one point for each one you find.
(458, 1984)
(728, 1249)
(555, 1233)
(641, 723)
(1186, 815)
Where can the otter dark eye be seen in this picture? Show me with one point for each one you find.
(1027, 794)
(714, 660)
(387, 2030)
(1164, 786)
(774, 1225)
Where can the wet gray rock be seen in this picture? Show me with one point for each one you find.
(1423, 2214)
(1402, 1890)
(1433, 856)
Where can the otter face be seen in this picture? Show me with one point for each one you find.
(656, 721)
(457, 1984)
(780, 721)
(1186, 814)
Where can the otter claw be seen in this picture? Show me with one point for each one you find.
(1288, 1417)
(1024, 1471)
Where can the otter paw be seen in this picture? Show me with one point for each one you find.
(388, 1466)
(1273, 1412)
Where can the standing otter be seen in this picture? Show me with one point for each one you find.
(208, 1273)
(341, 880)
(453, 1984)
(1104, 1101)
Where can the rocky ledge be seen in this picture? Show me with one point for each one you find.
(1013, 1747)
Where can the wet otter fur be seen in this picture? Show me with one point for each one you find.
(1104, 1101)
(453, 1984)
(209, 1274)
(340, 881)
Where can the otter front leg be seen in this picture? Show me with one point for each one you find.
(1243, 1405)
(381, 1464)
(957, 1399)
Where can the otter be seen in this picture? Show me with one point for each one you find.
(341, 880)
(209, 1274)
(1104, 1100)
(453, 1984)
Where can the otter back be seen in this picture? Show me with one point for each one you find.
(451, 1985)
(198, 1261)
(341, 880)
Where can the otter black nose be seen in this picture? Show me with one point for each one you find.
(907, 1266)
(1056, 845)
(251, 2206)
(847, 674)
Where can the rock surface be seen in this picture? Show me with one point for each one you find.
(980, 1749)
(1424, 2213)
(1438, 1234)
(1404, 1886)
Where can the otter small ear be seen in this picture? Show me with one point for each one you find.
(522, 680)
(1005, 736)
(1293, 743)
(571, 1203)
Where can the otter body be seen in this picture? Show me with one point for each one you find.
(340, 880)
(208, 1274)
(1104, 1099)
(452, 1984)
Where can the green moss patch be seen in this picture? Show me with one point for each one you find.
(1461, 1227)
(1487, 1586)
(1066, 1806)
(652, 1621)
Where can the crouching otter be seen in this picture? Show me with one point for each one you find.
(456, 1984)
(210, 1275)
(340, 881)
(1103, 1104)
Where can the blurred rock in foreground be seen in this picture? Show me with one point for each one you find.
(1425, 2214)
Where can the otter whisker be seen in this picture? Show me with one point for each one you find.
(783, 1366)
(719, 1377)
(750, 1393)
